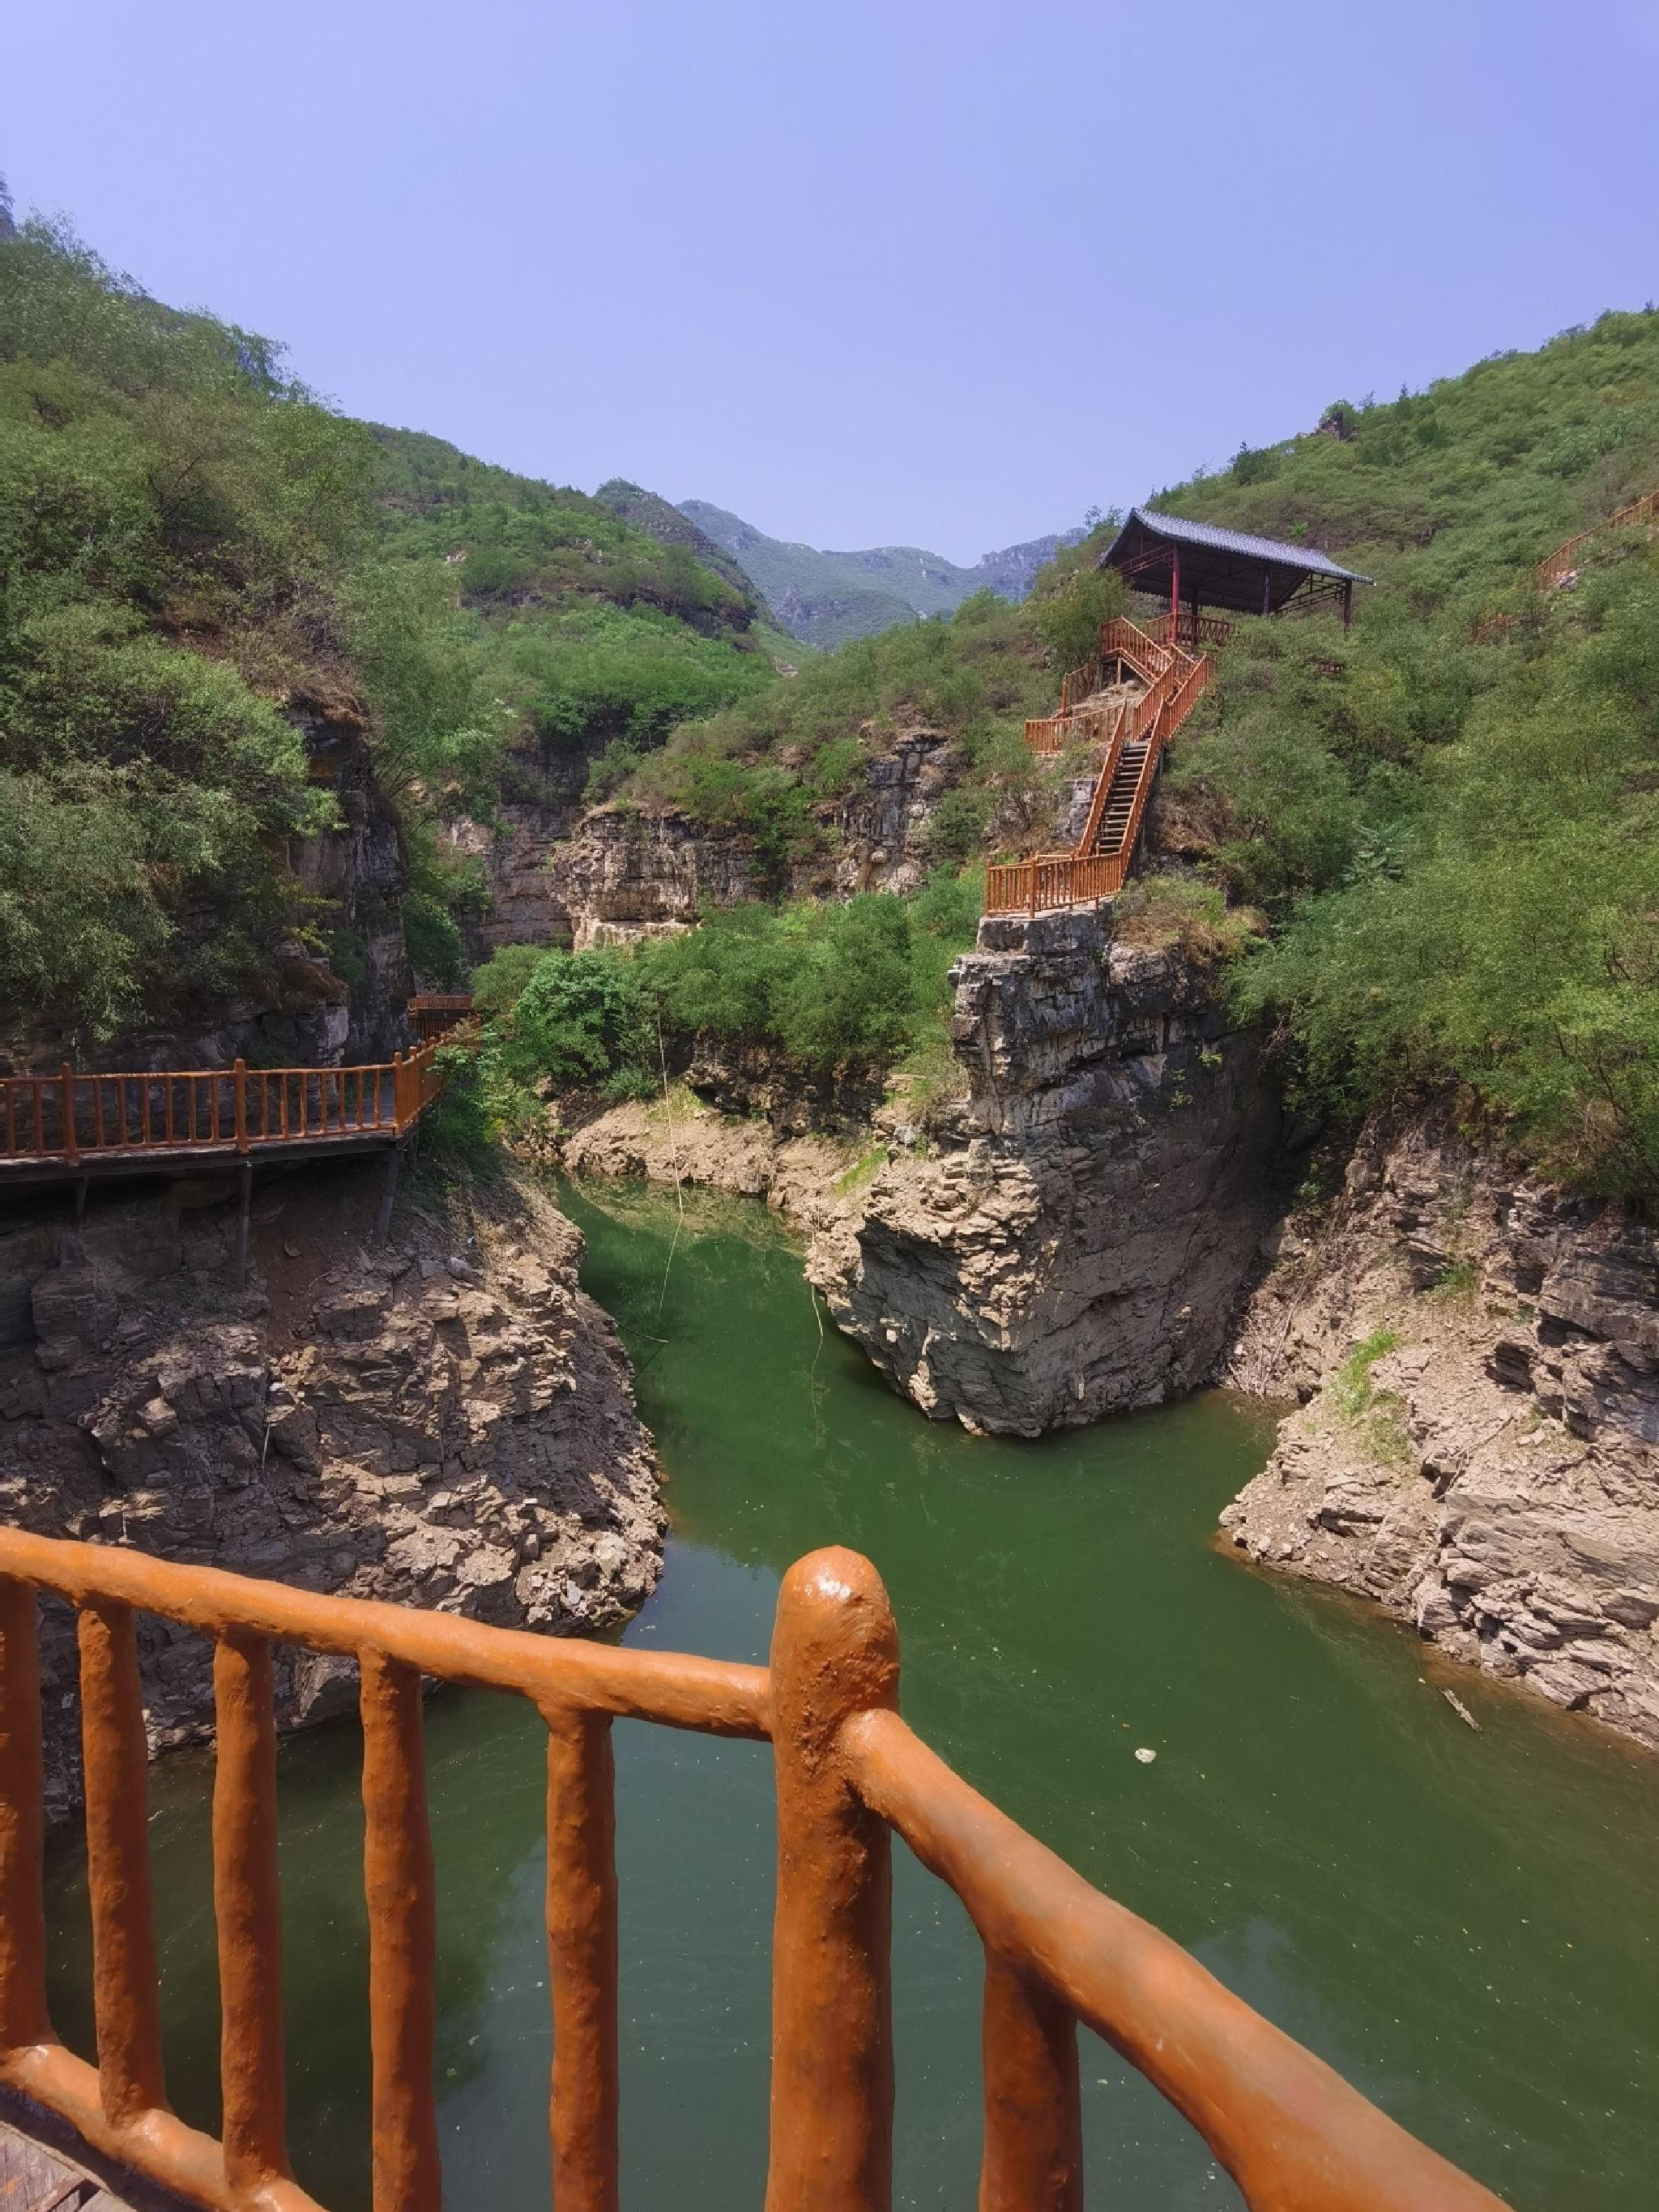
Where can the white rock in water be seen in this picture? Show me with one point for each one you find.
(1144, 1756)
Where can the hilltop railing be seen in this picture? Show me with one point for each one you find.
(1293, 2134)
(1194, 629)
(72, 1117)
(1555, 568)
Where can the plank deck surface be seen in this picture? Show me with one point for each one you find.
(44, 2167)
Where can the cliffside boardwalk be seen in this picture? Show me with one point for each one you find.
(1202, 567)
(67, 1124)
(849, 1772)
(72, 1126)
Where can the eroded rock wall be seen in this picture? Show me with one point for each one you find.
(612, 874)
(447, 1421)
(1478, 1451)
(1075, 1240)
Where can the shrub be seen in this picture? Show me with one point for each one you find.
(579, 1018)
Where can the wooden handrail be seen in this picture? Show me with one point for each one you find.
(1175, 681)
(1293, 2133)
(132, 1112)
(1555, 568)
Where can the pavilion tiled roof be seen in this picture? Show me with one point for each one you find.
(1215, 539)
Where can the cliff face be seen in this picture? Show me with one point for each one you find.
(1078, 1243)
(446, 1422)
(612, 874)
(1479, 1448)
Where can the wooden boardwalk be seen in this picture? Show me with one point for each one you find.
(45, 2167)
(68, 1126)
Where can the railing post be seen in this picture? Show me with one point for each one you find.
(397, 1090)
(116, 1753)
(581, 1954)
(23, 2019)
(834, 1653)
(1033, 2157)
(71, 1145)
(238, 1085)
(402, 1939)
(247, 1910)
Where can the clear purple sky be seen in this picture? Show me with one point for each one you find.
(933, 271)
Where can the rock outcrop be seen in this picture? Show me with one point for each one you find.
(1076, 1241)
(1478, 1450)
(447, 1421)
(614, 874)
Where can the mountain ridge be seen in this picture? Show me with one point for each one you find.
(826, 598)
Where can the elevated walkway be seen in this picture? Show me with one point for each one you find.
(69, 1126)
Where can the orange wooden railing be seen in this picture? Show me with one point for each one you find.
(435, 1012)
(1294, 2136)
(72, 1118)
(1148, 655)
(1195, 629)
(1557, 567)
(1175, 681)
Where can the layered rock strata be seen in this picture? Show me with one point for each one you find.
(1077, 1239)
(446, 1422)
(616, 873)
(1479, 1448)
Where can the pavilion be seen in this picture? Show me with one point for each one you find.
(1201, 566)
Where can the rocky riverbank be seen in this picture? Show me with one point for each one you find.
(1478, 1447)
(447, 1421)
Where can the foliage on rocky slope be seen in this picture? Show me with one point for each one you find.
(1450, 810)
(196, 557)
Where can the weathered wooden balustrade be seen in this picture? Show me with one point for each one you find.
(1295, 2137)
(77, 1118)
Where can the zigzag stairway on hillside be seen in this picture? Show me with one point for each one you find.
(1142, 683)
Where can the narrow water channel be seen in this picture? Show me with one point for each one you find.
(1465, 1924)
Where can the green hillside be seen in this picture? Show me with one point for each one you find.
(1452, 812)
(195, 556)
(830, 599)
(1454, 844)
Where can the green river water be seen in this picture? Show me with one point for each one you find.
(1464, 1925)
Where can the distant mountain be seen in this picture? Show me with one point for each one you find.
(669, 525)
(824, 599)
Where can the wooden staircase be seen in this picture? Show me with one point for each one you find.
(1120, 797)
(1132, 733)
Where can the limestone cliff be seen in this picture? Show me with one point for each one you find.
(1478, 1450)
(614, 874)
(1077, 1240)
(447, 1421)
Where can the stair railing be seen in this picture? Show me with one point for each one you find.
(1557, 567)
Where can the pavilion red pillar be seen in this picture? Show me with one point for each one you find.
(1175, 595)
